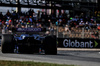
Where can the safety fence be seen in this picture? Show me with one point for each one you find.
(76, 33)
(73, 32)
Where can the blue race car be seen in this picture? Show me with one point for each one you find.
(29, 41)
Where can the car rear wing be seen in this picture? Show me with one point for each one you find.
(30, 29)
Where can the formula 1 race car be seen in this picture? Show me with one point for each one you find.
(28, 41)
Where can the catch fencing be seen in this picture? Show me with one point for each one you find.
(60, 32)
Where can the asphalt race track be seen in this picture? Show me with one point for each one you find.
(80, 58)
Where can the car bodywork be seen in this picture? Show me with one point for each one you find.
(29, 41)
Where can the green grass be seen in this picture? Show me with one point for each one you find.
(18, 63)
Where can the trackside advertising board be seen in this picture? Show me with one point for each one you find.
(78, 43)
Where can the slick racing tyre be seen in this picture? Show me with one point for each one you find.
(50, 45)
(7, 43)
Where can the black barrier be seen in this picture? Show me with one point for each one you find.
(78, 43)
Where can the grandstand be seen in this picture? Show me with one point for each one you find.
(81, 21)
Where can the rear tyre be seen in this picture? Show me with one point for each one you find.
(50, 45)
(7, 43)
